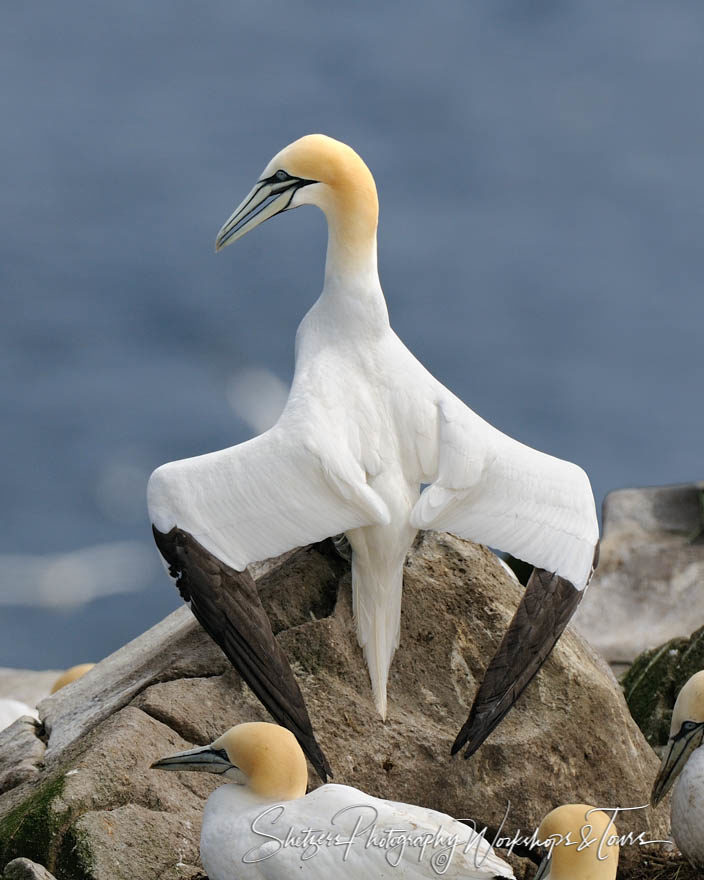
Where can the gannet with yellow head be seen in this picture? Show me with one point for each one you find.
(684, 761)
(583, 844)
(266, 826)
(364, 427)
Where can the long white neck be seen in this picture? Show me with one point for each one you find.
(352, 289)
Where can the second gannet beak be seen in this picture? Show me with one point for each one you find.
(688, 738)
(205, 760)
(270, 196)
(543, 868)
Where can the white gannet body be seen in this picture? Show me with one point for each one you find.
(583, 844)
(11, 710)
(364, 426)
(265, 826)
(684, 761)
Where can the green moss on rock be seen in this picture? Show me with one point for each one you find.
(653, 681)
(73, 860)
(29, 829)
(36, 830)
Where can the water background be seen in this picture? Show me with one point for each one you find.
(541, 175)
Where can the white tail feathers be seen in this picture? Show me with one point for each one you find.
(377, 610)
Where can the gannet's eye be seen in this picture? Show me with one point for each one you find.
(281, 176)
(688, 726)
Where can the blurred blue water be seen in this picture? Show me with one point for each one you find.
(540, 173)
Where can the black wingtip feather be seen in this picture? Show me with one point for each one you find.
(226, 604)
(548, 603)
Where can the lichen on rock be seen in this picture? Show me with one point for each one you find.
(656, 677)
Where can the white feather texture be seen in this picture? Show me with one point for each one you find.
(496, 491)
(248, 839)
(688, 809)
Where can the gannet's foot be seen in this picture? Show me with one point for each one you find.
(342, 545)
(698, 534)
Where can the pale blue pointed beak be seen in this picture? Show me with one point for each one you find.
(679, 748)
(204, 760)
(270, 196)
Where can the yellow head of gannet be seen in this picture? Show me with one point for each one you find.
(72, 674)
(262, 756)
(686, 735)
(314, 170)
(580, 848)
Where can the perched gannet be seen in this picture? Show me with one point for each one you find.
(266, 826)
(11, 710)
(364, 426)
(684, 757)
(582, 842)
(72, 674)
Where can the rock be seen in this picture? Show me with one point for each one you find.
(656, 677)
(647, 588)
(95, 811)
(23, 869)
(21, 750)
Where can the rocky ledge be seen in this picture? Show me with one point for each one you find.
(78, 796)
(648, 586)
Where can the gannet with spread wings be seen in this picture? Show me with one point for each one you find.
(365, 425)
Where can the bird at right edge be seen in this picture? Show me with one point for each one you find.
(365, 427)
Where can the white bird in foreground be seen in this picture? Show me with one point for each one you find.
(584, 844)
(11, 710)
(364, 426)
(266, 826)
(684, 758)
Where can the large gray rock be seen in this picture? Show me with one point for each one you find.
(95, 809)
(647, 588)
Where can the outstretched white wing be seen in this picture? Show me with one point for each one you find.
(496, 491)
(214, 514)
(263, 497)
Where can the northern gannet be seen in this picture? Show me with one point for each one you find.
(266, 826)
(11, 710)
(365, 425)
(583, 844)
(684, 758)
(71, 675)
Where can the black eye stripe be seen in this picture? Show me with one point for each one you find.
(282, 180)
(686, 728)
(279, 176)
